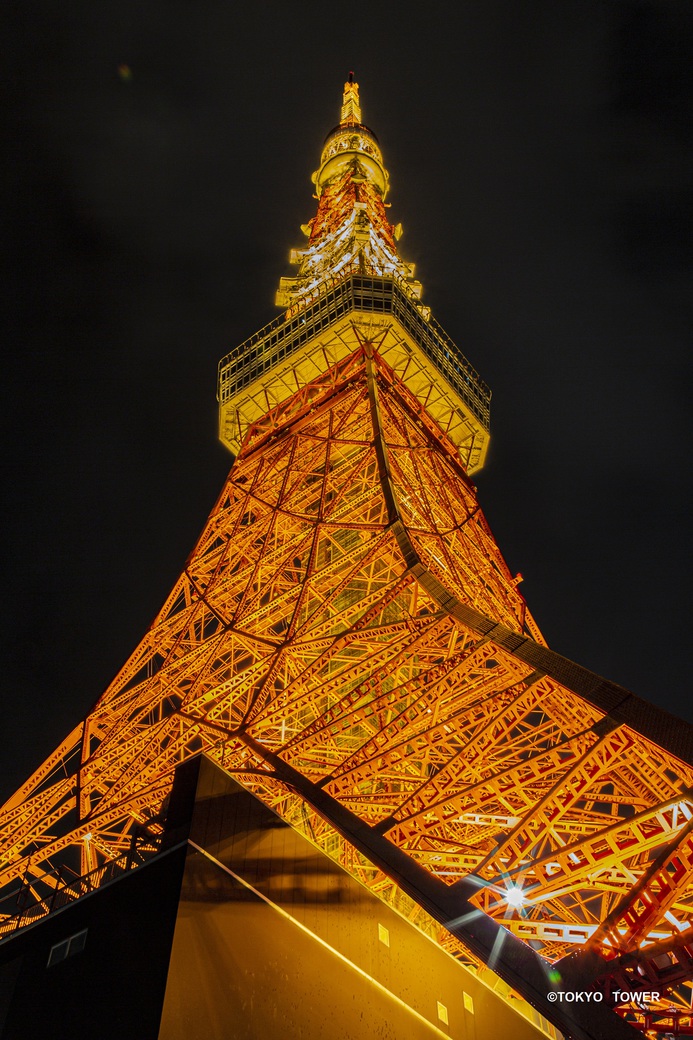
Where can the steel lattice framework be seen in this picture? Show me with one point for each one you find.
(347, 613)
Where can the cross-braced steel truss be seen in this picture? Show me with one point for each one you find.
(347, 609)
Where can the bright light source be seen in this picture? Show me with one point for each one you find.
(514, 896)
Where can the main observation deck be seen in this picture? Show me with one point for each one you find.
(302, 344)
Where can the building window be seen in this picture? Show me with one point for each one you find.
(443, 1013)
(383, 935)
(67, 948)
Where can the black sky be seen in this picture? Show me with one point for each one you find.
(540, 160)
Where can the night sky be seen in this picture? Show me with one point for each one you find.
(156, 177)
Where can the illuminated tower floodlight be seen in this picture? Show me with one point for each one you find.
(347, 642)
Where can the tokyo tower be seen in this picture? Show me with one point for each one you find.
(348, 649)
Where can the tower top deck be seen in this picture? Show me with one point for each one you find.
(351, 287)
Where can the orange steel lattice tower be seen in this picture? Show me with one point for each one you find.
(347, 641)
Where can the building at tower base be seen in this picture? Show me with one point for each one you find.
(242, 928)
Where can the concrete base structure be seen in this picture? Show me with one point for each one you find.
(242, 929)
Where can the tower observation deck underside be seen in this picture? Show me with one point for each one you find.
(292, 352)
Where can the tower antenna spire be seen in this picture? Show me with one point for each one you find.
(351, 107)
(350, 231)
